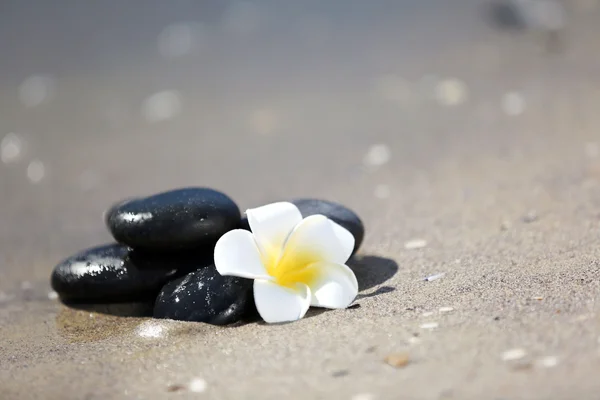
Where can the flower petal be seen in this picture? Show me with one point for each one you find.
(237, 254)
(345, 238)
(313, 240)
(334, 285)
(277, 303)
(271, 225)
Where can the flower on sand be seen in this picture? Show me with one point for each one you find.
(295, 263)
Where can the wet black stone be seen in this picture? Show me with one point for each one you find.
(182, 219)
(335, 212)
(110, 273)
(205, 296)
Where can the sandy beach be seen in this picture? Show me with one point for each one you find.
(471, 151)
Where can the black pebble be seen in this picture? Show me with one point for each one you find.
(110, 273)
(182, 219)
(205, 296)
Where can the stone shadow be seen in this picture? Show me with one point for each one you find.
(372, 271)
(381, 290)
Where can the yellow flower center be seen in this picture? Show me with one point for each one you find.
(292, 267)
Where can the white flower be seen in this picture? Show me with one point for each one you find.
(295, 262)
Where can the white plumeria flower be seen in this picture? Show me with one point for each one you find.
(295, 262)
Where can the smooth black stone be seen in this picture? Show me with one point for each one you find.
(109, 274)
(190, 218)
(335, 212)
(183, 261)
(205, 296)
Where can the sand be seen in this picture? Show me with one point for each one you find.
(485, 175)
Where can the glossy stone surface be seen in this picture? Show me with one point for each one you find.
(189, 218)
(111, 273)
(205, 296)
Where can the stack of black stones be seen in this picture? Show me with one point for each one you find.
(163, 257)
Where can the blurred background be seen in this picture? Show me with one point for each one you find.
(386, 106)
(468, 126)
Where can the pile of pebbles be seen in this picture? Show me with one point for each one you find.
(163, 256)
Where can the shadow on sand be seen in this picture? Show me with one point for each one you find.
(372, 271)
